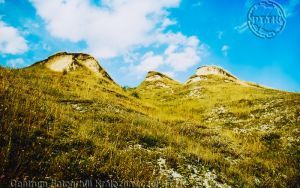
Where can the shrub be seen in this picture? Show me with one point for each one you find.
(135, 94)
(65, 72)
(272, 140)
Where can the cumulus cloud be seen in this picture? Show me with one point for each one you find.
(180, 54)
(149, 62)
(109, 29)
(120, 28)
(11, 42)
(183, 54)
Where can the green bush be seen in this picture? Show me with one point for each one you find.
(135, 94)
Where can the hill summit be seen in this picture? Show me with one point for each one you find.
(215, 70)
(158, 80)
(156, 76)
(204, 71)
(67, 62)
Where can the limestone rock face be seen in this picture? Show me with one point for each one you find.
(71, 61)
(61, 62)
(153, 76)
(64, 61)
(213, 70)
(204, 71)
(158, 80)
(156, 76)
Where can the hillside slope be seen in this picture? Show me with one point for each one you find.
(74, 123)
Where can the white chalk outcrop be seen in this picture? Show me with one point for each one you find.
(204, 71)
(154, 78)
(158, 80)
(64, 61)
(61, 62)
(209, 70)
(71, 61)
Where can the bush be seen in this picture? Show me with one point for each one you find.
(272, 140)
(149, 141)
(135, 94)
(65, 72)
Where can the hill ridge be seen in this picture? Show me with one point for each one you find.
(78, 59)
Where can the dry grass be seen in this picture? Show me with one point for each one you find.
(77, 126)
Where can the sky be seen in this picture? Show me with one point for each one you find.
(132, 37)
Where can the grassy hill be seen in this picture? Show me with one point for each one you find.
(78, 124)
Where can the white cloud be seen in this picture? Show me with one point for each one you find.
(181, 58)
(11, 42)
(180, 54)
(131, 57)
(149, 62)
(225, 49)
(15, 63)
(121, 28)
(110, 29)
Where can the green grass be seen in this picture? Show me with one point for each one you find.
(75, 126)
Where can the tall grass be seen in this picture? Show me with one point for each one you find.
(77, 125)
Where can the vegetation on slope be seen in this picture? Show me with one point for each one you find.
(215, 132)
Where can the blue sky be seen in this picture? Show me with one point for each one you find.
(132, 37)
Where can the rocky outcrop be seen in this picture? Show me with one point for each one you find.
(64, 61)
(155, 76)
(158, 80)
(208, 70)
(204, 71)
